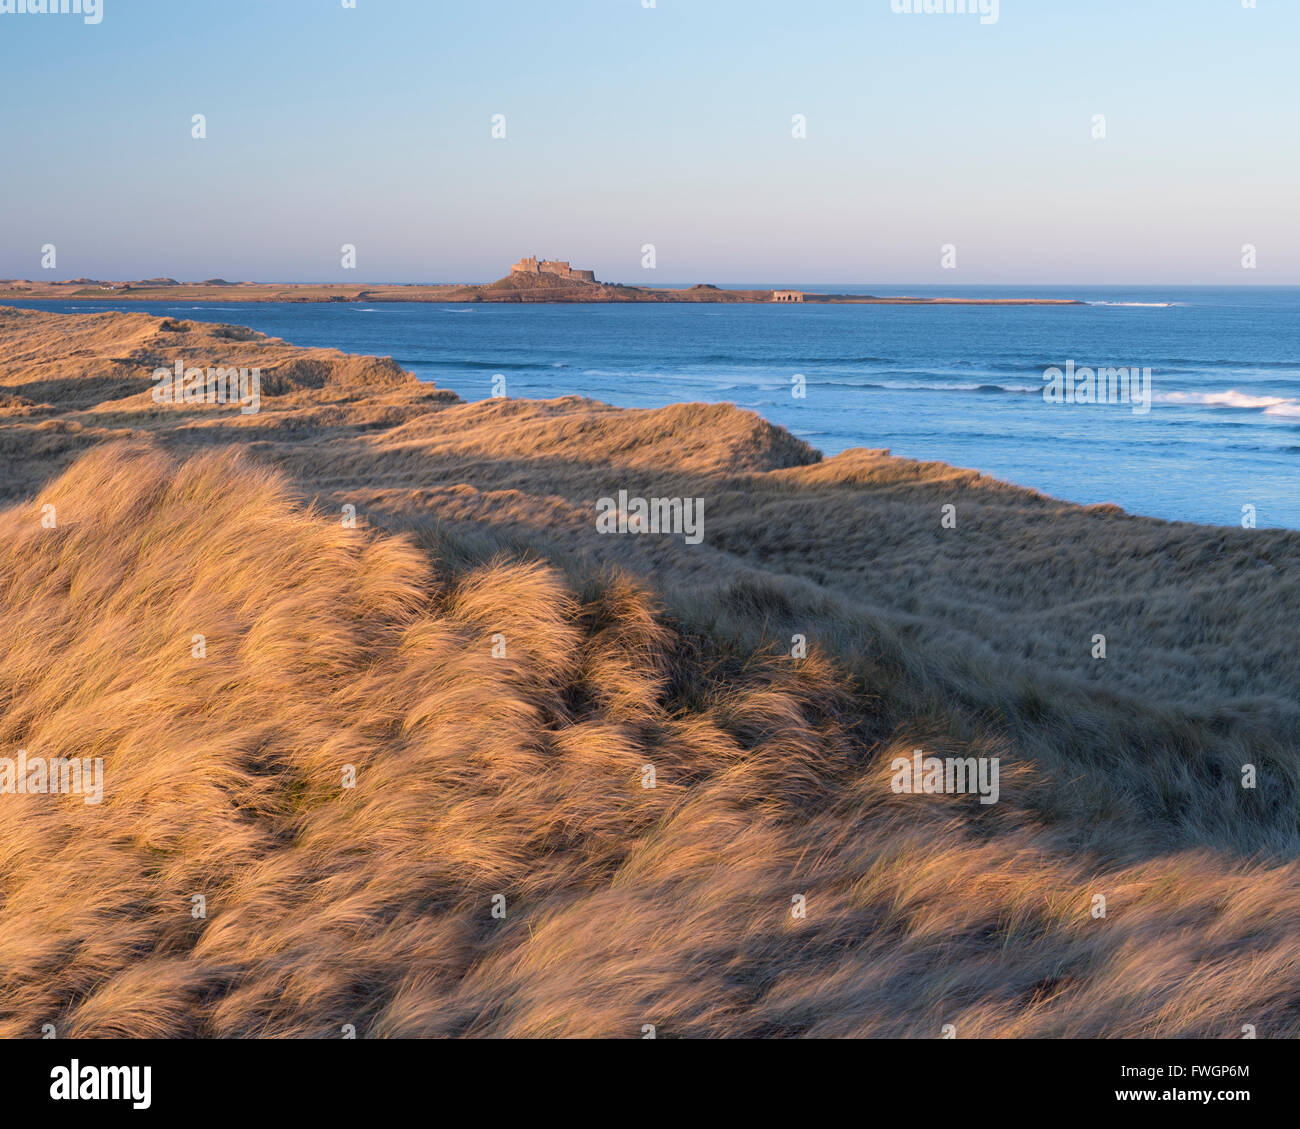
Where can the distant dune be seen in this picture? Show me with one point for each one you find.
(496, 677)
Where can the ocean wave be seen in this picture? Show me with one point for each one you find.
(1202, 364)
(729, 383)
(947, 386)
(1028, 365)
(648, 374)
(1159, 365)
(1145, 305)
(1235, 398)
(767, 360)
(489, 366)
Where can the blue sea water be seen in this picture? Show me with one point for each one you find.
(959, 384)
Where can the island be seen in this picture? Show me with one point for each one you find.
(529, 280)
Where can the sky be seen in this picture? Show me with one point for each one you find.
(669, 125)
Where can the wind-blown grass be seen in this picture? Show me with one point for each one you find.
(356, 743)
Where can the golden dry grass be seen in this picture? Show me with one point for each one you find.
(481, 774)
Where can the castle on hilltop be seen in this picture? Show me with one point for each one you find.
(552, 266)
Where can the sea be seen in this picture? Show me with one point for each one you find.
(1219, 439)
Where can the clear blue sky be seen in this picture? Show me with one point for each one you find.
(670, 125)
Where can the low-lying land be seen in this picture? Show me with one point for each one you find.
(508, 289)
(394, 736)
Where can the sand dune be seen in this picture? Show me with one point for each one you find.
(497, 676)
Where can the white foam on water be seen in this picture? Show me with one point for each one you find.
(1233, 398)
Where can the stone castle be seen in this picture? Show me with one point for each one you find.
(551, 266)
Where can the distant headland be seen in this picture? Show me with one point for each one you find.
(529, 280)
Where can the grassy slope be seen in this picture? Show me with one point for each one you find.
(521, 775)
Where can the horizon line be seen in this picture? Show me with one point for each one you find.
(658, 285)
